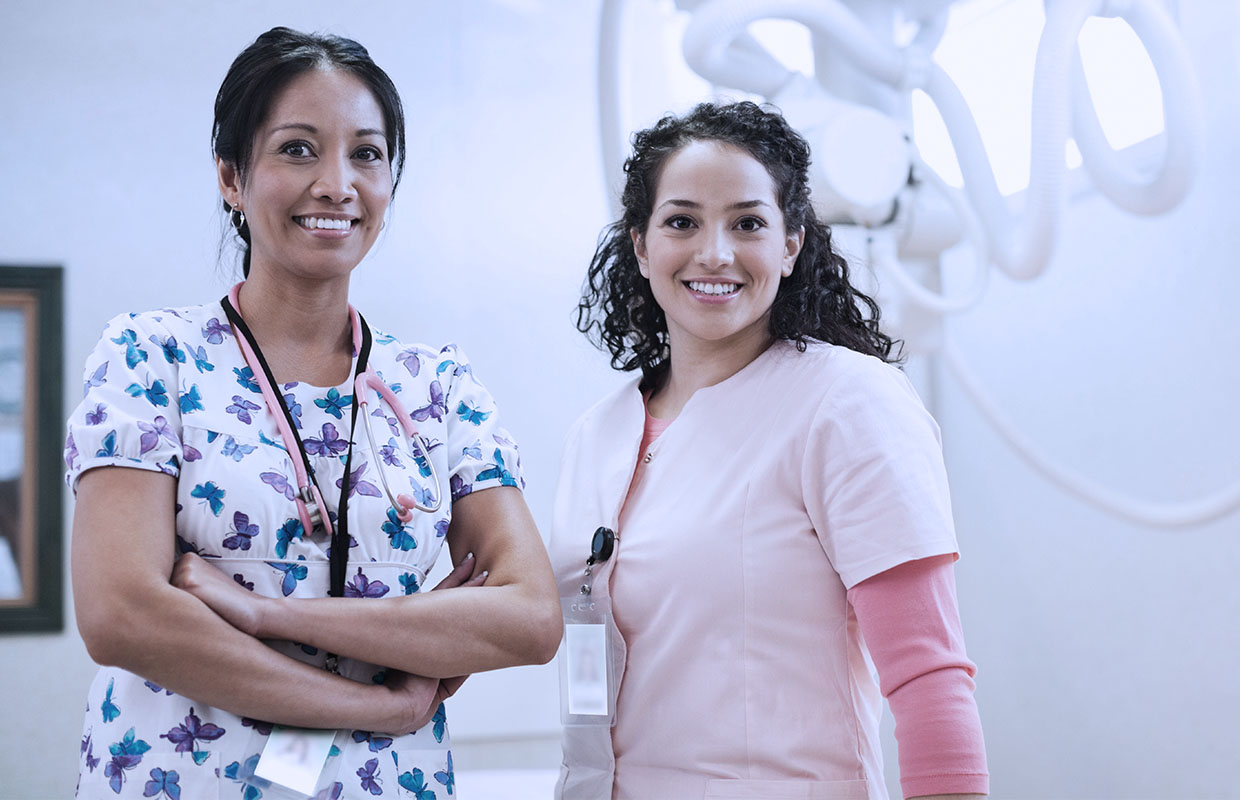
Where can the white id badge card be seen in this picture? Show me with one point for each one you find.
(294, 758)
(587, 682)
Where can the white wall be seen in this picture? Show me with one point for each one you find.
(1107, 650)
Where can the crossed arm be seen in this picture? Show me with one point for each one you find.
(183, 624)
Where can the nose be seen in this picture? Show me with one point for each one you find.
(714, 248)
(335, 180)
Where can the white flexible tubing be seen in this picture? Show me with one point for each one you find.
(611, 136)
(884, 256)
(1182, 121)
(1159, 515)
(716, 24)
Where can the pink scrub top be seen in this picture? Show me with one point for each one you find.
(741, 669)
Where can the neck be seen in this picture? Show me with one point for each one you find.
(303, 329)
(696, 364)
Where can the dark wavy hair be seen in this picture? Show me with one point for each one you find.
(617, 310)
(260, 73)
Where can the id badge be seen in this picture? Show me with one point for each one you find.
(293, 758)
(587, 682)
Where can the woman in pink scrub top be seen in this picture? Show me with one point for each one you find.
(770, 498)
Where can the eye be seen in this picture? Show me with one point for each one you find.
(679, 222)
(296, 149)
(369, 153)
(750, 224)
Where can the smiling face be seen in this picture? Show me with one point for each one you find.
(715, 248)
(319, 181)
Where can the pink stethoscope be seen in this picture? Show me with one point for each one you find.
(307, 496)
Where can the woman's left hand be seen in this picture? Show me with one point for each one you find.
(241, 608)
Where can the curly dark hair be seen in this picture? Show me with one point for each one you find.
(617, 310)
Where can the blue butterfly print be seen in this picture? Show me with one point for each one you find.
(376, 743)
(441, 527)
(240, 580)
(109, 446)
(334, 402)
(471, 415)
(235, 450)
(235, 771)
(435, 408)
(292, 574)
(389, 454)
(242, 408)
(384, 338)
(88, 749)
(190, 452)
(109, 709)
(190, 401)
(279, 482)
(134, 355)
(271, 442)
(359, 486)
(290, 530)
(330, 444)
(294, 409)
(210, 494)
(370, 776)
(186, 735)
(474, 451)
(415, 782)
(242, 532)
(156, 394)
(421, 494)
(156, 688)
(214, 332)
(152, 432)
(126, 754)
(260, 726)
(164, 783)
(441, 720)
(447, 777)
(498, 470)
(200, 358)
(96, 379)
(172, 352)
(410, 582)
(361, 586)
(332, 792)
(245, 379)
(398, 533)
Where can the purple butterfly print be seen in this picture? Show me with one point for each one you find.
(504, 440)
(393, 426)
(98, 416)
(375, 743)
(370, 776)
(156, 688)
(329, 445)
(242, 532)
(185, 735)
(96, 379)
(459, 487)
(332, 792)
(409, 357)
(88, 749)
(240, 579)
(361, 586)
(259, 726)
(190, 452)
(294, 408)
(474, 451)
(436, 408)
(441, 527)
(152, 433)
(242, 408)
(359, 486)
(71, 451)
(389, 454)
(215, 332)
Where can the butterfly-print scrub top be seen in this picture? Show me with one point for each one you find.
(169, 391)
(742, 671)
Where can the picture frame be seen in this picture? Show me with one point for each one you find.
(31, 447)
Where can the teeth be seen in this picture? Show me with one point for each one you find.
(326, 224)
(713, 288)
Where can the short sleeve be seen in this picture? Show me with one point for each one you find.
(481, 453)
(873, 477)
(129, 415)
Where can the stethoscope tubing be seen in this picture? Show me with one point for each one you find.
(403, 504)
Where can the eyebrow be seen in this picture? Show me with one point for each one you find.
(679, 203)
(301, 126)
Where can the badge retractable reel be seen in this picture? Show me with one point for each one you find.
(587, 676)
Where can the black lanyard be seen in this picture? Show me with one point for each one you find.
(339, 552)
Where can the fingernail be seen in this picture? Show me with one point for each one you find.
(469, 556)
(485, 573)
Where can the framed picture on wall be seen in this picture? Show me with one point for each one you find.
(31, 443)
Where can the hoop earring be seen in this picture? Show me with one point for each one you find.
(237, 218)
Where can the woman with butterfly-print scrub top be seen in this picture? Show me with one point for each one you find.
(197, 585)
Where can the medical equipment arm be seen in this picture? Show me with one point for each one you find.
(513, 619)
(131, 616)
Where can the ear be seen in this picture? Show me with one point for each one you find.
(792, 249)
(639, 250)
(230, 181)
